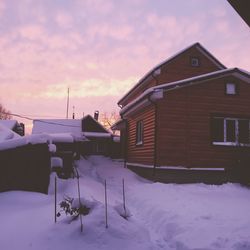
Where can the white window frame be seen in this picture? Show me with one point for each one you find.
(236, 142)
(195, 62)
(231, 88)
(139, 132)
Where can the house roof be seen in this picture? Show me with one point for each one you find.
(242, 8)
(239, 73)
(57, 126)
(6, 133)
(197, 45)
(8, 123)
(92, 125)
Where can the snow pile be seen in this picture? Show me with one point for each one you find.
(158, 216)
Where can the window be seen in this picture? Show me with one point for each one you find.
(230, 131)
(139, 133)
(231, 89)
(195, 62)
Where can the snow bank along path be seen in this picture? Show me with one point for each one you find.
(164, 216)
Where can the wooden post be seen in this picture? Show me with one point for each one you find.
(106, 205)
(80, 204)
(123, 192)
(55, 198)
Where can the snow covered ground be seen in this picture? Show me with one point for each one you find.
(163, 216)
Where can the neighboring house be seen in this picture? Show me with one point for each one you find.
(189, 112)
(100, 139)
(67, 135)
(96, 139)
(14, 126)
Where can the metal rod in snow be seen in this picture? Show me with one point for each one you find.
(80, 204)
(55, 198)
(106, 205)
(123, 192)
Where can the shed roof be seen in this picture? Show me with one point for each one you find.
(57, 126)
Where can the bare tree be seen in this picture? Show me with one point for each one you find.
(4, 113)
(108, 119)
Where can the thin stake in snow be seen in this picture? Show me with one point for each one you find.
(55, 198)
(123, 192)
(106, 204)
(79, 196)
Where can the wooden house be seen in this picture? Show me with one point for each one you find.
(188, 113)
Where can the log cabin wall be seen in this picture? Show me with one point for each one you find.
(143, 154)
(184, 124)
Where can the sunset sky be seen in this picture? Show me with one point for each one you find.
(101, 48)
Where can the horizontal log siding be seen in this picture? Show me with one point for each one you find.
(184, 134)
(143, 154)
(177, 69)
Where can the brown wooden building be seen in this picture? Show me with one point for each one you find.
(189, 112)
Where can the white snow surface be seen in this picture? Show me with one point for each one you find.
(51, 126)
(160, 216)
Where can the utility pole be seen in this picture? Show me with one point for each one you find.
(67, 113)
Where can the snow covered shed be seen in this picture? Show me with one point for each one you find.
(189, 112)
(67, 135)
(24, 162)
(93, 138)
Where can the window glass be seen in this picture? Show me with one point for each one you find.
(230, 131)
(139, 132)
(231, 89)
(218, 129)
(243, 131)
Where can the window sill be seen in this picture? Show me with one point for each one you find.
(140, 143)
(231, 144)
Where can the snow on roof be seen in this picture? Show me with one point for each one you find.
(23, 140)
(8, 123)
(7, 134)
(187, 82)
(198, 45)
(51, 126)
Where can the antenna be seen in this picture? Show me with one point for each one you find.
(67, 113)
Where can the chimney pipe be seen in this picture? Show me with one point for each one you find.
(96, 115)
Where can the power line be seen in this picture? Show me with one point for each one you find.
(42, 121)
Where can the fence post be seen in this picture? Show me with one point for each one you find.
(123, 192)
(80, 204)
(55, 198)
(106, 205)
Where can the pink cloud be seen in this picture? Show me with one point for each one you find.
(64, 20)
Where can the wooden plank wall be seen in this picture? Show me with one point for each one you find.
(184, 133)
(143, 154)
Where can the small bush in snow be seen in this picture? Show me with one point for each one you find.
(68, 209)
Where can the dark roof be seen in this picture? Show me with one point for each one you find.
(92, 125)
(206, 52)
